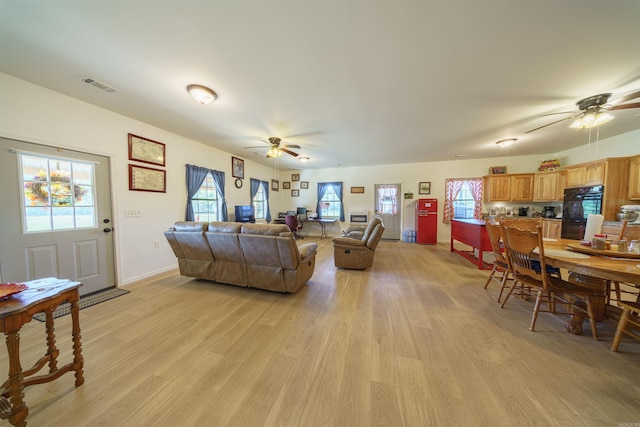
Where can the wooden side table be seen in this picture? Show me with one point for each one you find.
(41, 296)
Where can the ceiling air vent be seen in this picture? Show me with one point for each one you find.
(101, 86)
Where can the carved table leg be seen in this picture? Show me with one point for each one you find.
(52, 350)
(19, 410)
(78, 360)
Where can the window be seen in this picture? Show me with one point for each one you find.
(260, 203)
(462, 198)
(58, 194)
(330, 204)
(464, 203)
(205, 203)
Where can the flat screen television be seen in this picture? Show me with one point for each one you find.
(245, 213)
(301, 212)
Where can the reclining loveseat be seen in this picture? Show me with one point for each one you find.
(263, 256)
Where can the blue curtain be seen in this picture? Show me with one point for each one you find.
(337, 187)
(322, 189)
(266, 195)
(195, 177)
(254, 185)
(218, 179)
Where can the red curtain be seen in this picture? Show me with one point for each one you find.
(452, 188)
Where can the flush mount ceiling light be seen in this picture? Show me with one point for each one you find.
(506, 142)
(202, 94)
(303, 159)
(591, 119)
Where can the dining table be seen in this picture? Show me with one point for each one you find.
(593, 268)
(606, 264)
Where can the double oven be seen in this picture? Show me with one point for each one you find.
(578, 204)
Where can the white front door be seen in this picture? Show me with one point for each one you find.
(56, 216)
(388, 206)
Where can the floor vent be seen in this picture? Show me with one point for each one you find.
(101, 86)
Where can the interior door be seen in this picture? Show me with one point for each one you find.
(388, 205)
(56, 216)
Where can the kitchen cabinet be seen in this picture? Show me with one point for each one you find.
(545, 186)
(497, 188)
(562, 185)
(522, 187)
(634, 178)
(551, 228)
(613, 173)
(591, 173)
(509, 188)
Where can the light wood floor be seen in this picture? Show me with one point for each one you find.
(414, 341)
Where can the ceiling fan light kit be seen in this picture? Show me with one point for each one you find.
(202, 94)
(591, 120)
(303, 159)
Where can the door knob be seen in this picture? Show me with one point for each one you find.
(107, 230)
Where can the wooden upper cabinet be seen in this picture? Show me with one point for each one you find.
(522, 188)
(634, 178)
(589, 174)
(562, 185)
(509, 188)
(546, 186)
(497, 188)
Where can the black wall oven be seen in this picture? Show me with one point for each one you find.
(578, 204)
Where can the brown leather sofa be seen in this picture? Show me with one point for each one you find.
(358, 253)
(263, 256)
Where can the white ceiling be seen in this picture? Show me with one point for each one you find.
(352, 82)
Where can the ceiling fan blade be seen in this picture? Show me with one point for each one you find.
(626, 98)
(289, 152)
(563, 112)
(291, 146)
(552, 123)
(255, 146)
(625, 106)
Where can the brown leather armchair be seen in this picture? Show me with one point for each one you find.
(357, 254)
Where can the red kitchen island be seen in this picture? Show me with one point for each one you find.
(471, 232)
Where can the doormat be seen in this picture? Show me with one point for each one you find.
(85, 301)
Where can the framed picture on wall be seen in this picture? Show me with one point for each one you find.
(357, 190)
(237, 168)
(275, 185)
(295, 193)
(147, 179)
(295, 177)
(497, 170)
(304, 185)
(424, 188)
(146, 151)
(286, 185)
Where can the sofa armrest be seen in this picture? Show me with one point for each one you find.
(307, 249)
(347, 241)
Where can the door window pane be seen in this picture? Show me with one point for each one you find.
(57, 194)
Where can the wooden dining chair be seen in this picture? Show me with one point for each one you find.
(532, 270)
(501, 272)
(629, 233)
(530, 224)
(630, 311)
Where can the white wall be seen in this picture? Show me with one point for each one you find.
(34, 114)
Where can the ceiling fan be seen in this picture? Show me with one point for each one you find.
(592, 111)
(277, 148)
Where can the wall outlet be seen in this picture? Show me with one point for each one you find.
(156, 245)
(132, 213)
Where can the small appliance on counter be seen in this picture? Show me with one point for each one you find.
(629, 212)
(549, 212)
(523, 211)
